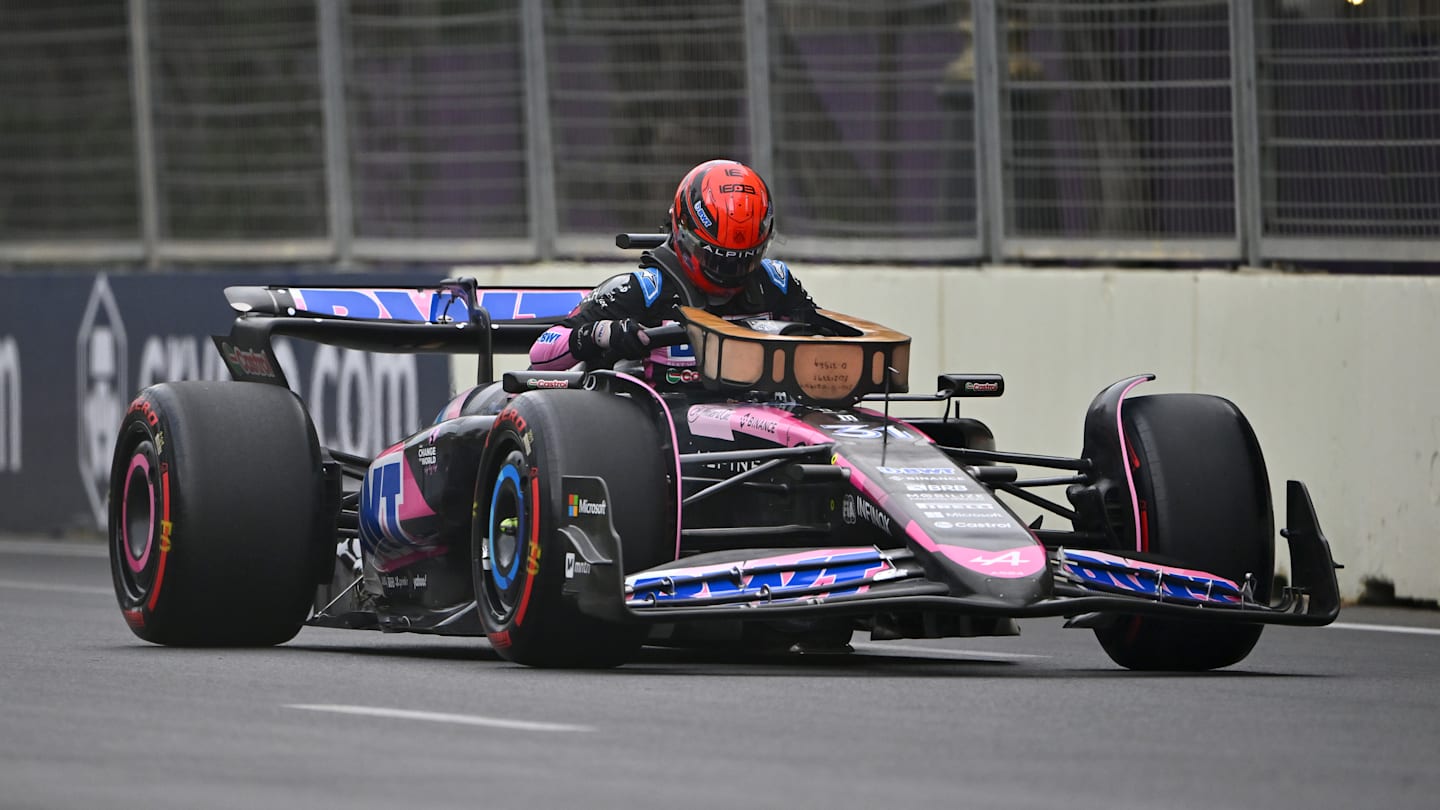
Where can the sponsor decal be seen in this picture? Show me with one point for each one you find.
(516, 305)
(103, 390)
(543, 383)
(710, 421)
(246, 363)
(393, 581)
(510, 417)
(862, 509)
(926, 501)
(733, 466)
(146, 410)
(649, 280)
(973, 524)
(427, 456)
(10, 399)
(574, 566)
(1012, 558)
(918, 470)
(548, 337)
(704, 217)
(681, 375)
(936, 488)
(376, 304)
(982, 387)
(577, 506)
(380, 498)
(777, 271)
(868, 432)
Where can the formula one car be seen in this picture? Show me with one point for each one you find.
(763, 498)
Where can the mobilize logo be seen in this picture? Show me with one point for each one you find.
(577, 506)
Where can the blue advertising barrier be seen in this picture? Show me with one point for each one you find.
(76, 347)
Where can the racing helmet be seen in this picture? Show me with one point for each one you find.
(720, 225)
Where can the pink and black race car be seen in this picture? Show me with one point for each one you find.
(765, 500)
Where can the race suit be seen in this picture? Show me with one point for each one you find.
(652, 297)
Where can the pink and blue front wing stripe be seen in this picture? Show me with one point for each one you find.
(849, 570)
(1113, 572)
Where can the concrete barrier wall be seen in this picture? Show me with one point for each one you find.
(1338, 374)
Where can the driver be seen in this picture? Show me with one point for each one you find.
(719, 227)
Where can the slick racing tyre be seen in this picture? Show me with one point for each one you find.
(1204, 502)
(518, 552)
(215, 502)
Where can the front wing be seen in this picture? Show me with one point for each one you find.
(1089, 586)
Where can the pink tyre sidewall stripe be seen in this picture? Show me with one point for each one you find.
(137, 565)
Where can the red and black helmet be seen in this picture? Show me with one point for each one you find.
(720, 225)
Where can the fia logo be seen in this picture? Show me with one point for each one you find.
(847, 510)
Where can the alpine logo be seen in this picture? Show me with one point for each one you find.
(917, 470)
(577, 506)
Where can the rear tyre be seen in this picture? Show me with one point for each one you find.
(215, 502)
(1204, 501)
(518, 552)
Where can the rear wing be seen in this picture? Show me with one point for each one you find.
(455, 316)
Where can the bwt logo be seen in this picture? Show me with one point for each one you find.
(9, 406)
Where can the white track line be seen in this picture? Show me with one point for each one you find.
(883, 647)
(42, 586)
(53, 549)
(438, 717)
(1387, 628)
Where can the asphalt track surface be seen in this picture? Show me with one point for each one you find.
(1341, 717)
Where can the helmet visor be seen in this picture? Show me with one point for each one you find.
(726, 267)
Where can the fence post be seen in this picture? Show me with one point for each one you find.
(757, 80)
(989, 49)
(1249, 220)
(337, 125)
(144, 131)
(540, 173)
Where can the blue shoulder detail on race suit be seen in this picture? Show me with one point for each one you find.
(649, 280)
(777, 271)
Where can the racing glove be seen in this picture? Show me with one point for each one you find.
(621, 338)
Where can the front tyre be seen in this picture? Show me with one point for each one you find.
(216, 496)
(518, 552)
(1204, 502)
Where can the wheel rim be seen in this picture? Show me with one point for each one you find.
(134, 541)
(506, 528)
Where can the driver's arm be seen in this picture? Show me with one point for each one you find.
(605, 327)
